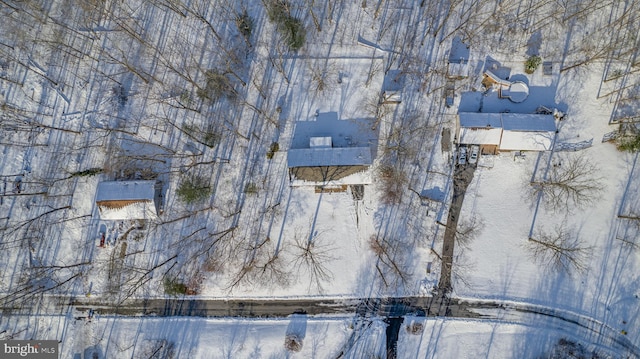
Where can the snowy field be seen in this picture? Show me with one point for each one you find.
(112, 337)
(444, 338)
(498, 263)
(320, 337)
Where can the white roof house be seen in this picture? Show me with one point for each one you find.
(480, 128)
(509, 131)
(126, 200)
(516, 91)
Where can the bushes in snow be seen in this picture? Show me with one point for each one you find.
(217, 86)
(209, 136)
(174, 287)
(251, 188)
(415, 328)
(291, 28)
(87, 173)
(273, 148)
(193, 189)
(393, 183)
(293, 343)
(244, 22)
(629, 144)
(532, 64)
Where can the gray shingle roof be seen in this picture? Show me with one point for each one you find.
(336, 156)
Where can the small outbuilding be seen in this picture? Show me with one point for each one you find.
(458, 65)
(127, 200)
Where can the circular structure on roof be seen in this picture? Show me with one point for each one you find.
(518, 91)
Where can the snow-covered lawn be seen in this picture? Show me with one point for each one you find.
(173, 337)
(498, 263)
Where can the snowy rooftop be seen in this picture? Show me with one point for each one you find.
(120, 200)
(343, 132)
(528, 122)
(496, 79)
(480, 136)
(460, 69)
(511, 131)
(473, 119)
(320, 142)
(125, 190)
(459, 52)
(337, 156)
(326, 140)
(508, 121)
(517, 92)
(526, 141)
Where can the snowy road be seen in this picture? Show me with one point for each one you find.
(467, 308)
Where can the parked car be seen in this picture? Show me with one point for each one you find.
(463, 156)
(473, 157)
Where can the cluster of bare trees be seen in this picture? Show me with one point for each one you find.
(47, 194)
(572, 181)
(33, 272)
(187, 83)
(561, 249)
(392, 260)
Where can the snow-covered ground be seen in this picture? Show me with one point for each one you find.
(320, 337)
(173, 337)
(498, 262)
(451, 338)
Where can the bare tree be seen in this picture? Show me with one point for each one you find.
(311, 256)
(562, 250)
(273, 270)
(468, 230)
(570, 181)
(324, 77)
(628, 233)
(391, 254)
(393, 181)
